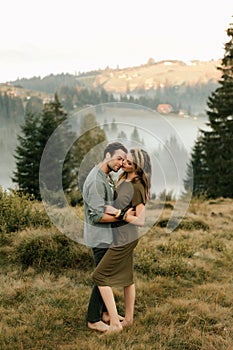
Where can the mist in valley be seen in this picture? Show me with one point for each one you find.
(168, 139)
(8, 143)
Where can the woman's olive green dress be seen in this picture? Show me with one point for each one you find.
(116, 267)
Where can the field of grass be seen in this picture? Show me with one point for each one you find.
(184, 286)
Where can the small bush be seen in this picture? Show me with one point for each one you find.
(149, 265)
(188, 225)
(17, 212)
(168, 265)
(191, 225)
(52, 252)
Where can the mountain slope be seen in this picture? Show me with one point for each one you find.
(145, 77)
(154, 75)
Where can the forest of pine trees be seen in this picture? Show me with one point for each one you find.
(32, 140)
(210, 167)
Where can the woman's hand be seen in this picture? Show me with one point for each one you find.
(136, 217)
(131, 211)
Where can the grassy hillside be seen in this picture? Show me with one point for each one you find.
(184, 281)
(158, 74)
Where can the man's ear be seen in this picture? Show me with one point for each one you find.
(108, 155)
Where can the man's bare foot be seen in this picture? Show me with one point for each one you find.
(99, 326)
(105, 317)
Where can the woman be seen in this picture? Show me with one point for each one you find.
(116, 267)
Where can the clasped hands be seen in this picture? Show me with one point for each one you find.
(118, 213)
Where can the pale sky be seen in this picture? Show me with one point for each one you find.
(47, 36)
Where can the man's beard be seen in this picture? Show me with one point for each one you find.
(111, 169)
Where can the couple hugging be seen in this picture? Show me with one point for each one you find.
(113, 212)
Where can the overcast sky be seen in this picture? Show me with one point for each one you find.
(47, 36)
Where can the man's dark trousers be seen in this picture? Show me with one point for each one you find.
(96, 304)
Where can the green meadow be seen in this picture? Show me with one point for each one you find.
(184, 283)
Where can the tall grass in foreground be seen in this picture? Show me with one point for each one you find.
(184, 287)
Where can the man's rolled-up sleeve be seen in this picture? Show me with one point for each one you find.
(94, 198)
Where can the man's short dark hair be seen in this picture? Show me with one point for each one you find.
(112, 147)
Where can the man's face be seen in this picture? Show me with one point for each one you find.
(115, 161)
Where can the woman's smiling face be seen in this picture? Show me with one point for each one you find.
(128, 165)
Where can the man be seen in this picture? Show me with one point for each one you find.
(98, 191)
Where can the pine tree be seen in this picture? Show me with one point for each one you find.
(215, 151)
(54, 116)
(195, 179)
(218, 142)
(122, 135)
(114, 126)
(135, 135)
(32, 141)
(27, 157)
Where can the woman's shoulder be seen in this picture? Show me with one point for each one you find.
(138, 184)
(139, 187)
(139, 193)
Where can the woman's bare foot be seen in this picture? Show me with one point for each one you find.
(99, 326)
(113, 330)
(106, 318)
(126, 323)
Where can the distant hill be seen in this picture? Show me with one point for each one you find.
(154, 75)
(145, 77)
(15, 90)
(184, 87)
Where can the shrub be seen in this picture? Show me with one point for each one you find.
(168, 264)
(191, 225)
(17, 212)
(148, 264)
(185, 224)
(52, 252)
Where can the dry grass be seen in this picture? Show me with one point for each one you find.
(184, 292)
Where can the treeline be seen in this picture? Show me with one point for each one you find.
(13, 109)
(49, 84)
(73, 94)
(188, 98)
(72, 90)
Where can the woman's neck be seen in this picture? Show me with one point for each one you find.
(130, 176)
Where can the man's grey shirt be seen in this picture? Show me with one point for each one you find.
(97, 192)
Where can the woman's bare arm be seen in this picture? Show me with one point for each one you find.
(139, 217)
